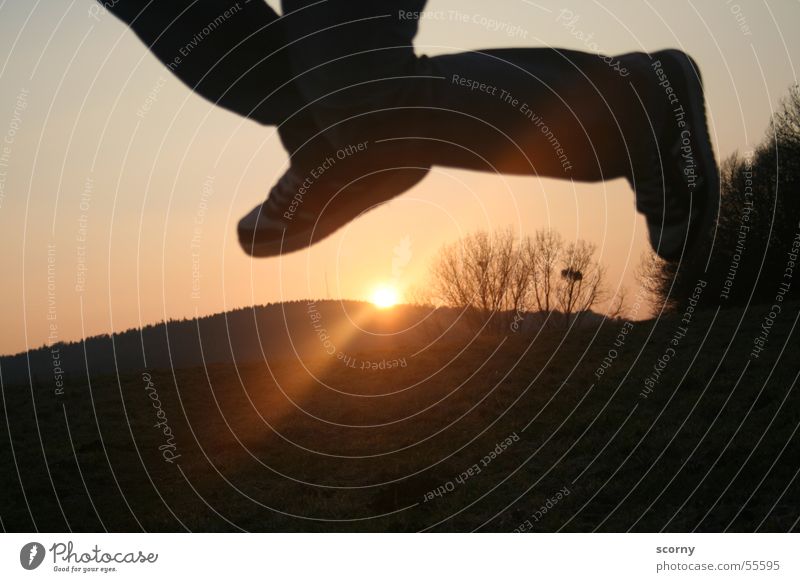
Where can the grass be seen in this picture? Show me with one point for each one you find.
(316, 445)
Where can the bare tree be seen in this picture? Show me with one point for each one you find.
(580, 286)
(498, 276)
(489, 260)
(655, 276)
(522, 277)
(785, 126)
(449, 285)
(483, 272)
(549, 247)
(617, 308)
(758, 215)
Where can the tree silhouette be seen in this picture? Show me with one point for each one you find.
(758, 223)
(581, 280)
(498, 276)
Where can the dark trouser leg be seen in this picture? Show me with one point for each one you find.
(553, 113)
(230, 52)
(527, 111)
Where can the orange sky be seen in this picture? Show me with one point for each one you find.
(120, 190)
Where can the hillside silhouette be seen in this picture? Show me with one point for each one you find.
(600, 427)
(241, 335)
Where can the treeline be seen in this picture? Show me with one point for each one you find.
(498, 279)
(758, 236)
(292, 330)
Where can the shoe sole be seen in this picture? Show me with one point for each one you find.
(322, 229)
(331, 221)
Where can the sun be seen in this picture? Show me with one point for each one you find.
(385, 296)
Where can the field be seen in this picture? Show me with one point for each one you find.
(495, 432)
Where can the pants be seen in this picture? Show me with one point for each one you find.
(339, 73)
(537, 111)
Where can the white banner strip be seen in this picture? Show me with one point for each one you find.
(399, 557)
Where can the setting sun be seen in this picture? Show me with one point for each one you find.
(385, 296)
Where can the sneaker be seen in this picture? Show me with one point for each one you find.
(272, 226)
(680, 194)
(301, 211)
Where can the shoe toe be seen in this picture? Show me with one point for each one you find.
(256, 226)
(249, 222)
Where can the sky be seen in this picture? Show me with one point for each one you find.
(120, 190)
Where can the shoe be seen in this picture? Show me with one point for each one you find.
(302, 210)
(679, 192)
(279, 224)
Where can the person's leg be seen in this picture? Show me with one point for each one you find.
(536, 111)
(573, 115)
(545, 112)
(232, 53)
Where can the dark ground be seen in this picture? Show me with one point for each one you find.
(713, 447)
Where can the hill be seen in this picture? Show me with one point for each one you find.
(397, 422)
(242, 335)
